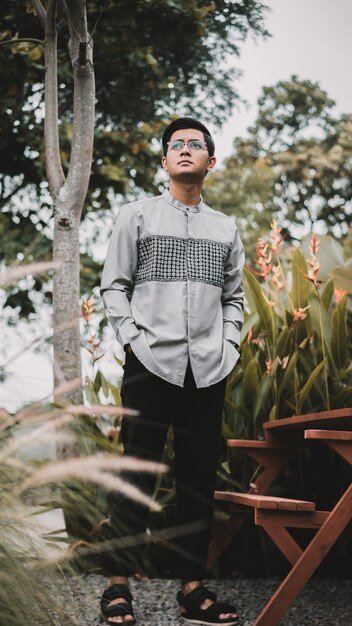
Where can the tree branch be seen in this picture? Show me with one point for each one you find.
(20, 39)
(53, 165)
(41, 12)
(83, 110)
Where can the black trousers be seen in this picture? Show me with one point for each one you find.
(195, 416)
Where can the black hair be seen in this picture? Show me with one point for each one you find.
(188, 122)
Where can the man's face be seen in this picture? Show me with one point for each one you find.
(187, 164)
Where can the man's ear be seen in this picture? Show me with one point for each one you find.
(164, 164)
(211, 163)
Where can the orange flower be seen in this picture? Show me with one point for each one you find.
(269, 367)
(88, 307)
(300, 313)
(263, 259)
(250, 335)
(277, 278)
(94, 344)
(276, 236)
(314, 263)
(314, 245)
(339, 294)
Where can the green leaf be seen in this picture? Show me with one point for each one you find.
(283, 342)
(327, 293)
(89, 392)
(287, 374)
(306, 360)
(272, 414)
(308, 366)
(320, 319)
(262, 307)
(300, 285)
(309, 384)
(249, 321)
(251, 379)
(261, 395)
(97, 382)
(115, 391)
(226, 431)
(104, 385)
(338, 335)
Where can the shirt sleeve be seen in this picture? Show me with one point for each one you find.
(233, 295)
(118, 275)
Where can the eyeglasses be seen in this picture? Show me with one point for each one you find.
(193, 145)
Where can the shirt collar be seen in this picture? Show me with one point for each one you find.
(179, 205)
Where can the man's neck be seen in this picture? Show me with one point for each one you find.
(187, 194)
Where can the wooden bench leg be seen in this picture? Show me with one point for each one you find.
(306, 565)
(275, 523)
(284, 541)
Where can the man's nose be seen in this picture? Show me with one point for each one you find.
(185, 149)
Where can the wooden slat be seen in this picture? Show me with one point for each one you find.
(264, 502)
(339, 441)
(290, 428)
(249, 443)
(303, 519)
(332, 435)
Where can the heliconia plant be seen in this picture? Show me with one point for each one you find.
(296, 349)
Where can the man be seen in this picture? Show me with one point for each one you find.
(172, 289)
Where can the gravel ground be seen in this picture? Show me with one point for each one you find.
(323, 602)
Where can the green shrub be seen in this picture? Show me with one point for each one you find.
(296, 349)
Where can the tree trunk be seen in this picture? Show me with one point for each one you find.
(66, 313)
(68, 194)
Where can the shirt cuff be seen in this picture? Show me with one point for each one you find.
(231, 333)
(126, 333)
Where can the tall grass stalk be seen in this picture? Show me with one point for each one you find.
(30, 569)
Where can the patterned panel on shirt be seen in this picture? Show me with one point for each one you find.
(167, 258)
(161, 257)
(206, 261)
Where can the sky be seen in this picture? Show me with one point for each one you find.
(310, 38)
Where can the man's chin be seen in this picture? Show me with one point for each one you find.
(187, 175)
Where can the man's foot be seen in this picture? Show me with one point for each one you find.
(199, 605)
(116, 603)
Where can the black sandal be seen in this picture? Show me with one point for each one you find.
(120, 609)
(195, 615)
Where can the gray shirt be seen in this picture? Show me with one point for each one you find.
(172, 288)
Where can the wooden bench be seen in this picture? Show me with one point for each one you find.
(276, 515)
(332, 428)
(256, 501)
